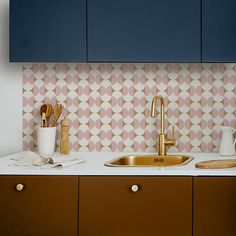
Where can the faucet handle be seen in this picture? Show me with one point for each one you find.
(173, 133)
(171, 141)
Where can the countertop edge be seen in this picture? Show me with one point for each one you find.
(94, 166)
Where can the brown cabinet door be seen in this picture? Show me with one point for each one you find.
(161, 206)
(46, 206)
(214, 206)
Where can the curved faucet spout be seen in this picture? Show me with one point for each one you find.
(154, 110)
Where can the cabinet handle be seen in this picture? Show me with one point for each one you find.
(134, 188)
(19, 187)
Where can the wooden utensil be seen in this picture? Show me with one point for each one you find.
(216, 164)
(44, 120)
(43, 110)
(57, 112)
(48, 113)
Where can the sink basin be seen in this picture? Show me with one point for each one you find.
(149, 161)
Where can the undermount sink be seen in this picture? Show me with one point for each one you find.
(149, 161)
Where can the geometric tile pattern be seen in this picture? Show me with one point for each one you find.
(108, 105)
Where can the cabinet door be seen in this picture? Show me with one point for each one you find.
(144, 31)
(214, 206)
(46, 206)
(219, 31)
(161, 206)
(48, 30)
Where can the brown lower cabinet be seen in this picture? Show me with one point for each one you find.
(159, 206)
(214, 206)
(38, 205)
(117, 206)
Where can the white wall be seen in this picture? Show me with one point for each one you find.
(10, 91)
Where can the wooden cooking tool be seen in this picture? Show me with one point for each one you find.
(43, 109)
(216, 164)
(48, 113)
(57, 112)
(44, 120)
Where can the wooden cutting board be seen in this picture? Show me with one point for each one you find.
(216, 164)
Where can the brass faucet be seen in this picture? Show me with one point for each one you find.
(162, 140)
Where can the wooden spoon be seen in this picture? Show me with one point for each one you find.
(48, 113)
(43, 110)
(44, 120)
(57, 112)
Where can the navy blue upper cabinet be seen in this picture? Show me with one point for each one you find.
(218, 30)
(144, 30)
(48, 30)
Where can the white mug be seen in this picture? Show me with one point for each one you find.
(227, 145)
(46, 138)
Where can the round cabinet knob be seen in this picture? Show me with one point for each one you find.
(134, 188)
(19, 187)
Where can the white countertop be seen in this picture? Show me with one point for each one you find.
(94, 165)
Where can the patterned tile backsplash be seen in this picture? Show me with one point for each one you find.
(108, 105)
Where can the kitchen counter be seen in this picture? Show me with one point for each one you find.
(94, 165)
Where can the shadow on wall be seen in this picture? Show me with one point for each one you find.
(4, 27)
(10, 90)
(4, 39)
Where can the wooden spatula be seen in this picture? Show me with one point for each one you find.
(57, 112)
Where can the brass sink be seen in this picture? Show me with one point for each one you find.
(149, 161)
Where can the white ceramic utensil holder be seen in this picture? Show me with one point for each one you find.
(46, 138)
